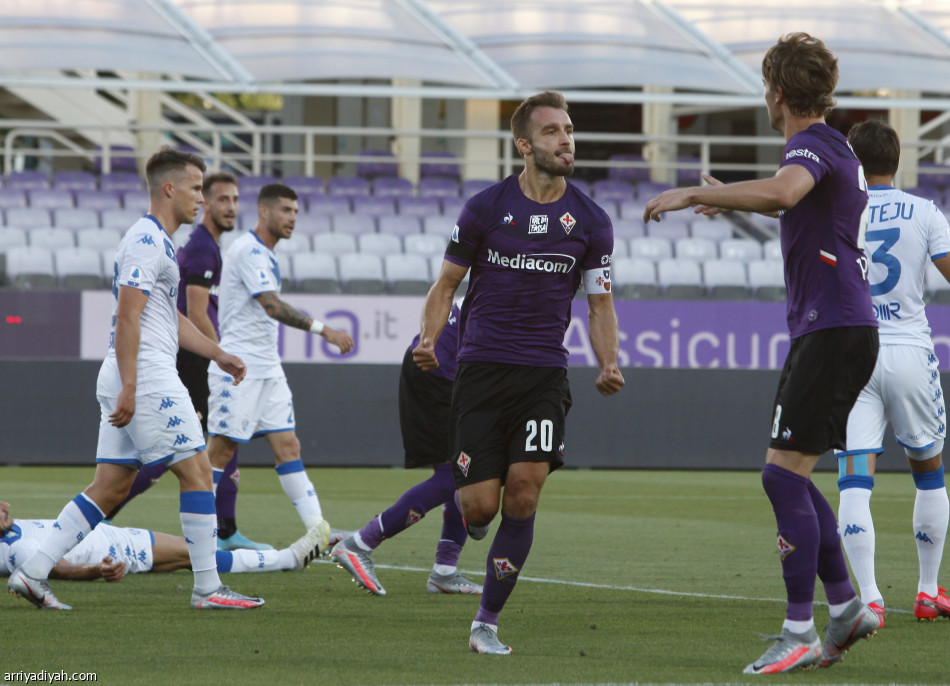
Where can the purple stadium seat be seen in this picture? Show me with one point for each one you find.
(629, 174)
(305, 185)
(386, 165)
(611, 190)
(328, 205)
(452, 206)
(688, 177)
(438, 188)
(929, 192)
(392, 187)
(12, 197)
(347, 186)
(250, 186)
(75, 219)
(27, 180)
(135, 200)
(581, 185)
(313, 223)
(29, 218)
(100, 200)
(122, 159)
(418, 207)
(353, 224)
(51, 199)
(399, 225)
(438, 163)
(374, 206)
(121, 181)
(648, 189)
(74, 180)
(473, 186)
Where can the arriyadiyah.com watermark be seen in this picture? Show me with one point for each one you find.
(47, 677)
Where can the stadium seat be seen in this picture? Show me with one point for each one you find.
(740, 250)
(121, 181)
(581, 185)
(651, 248)
(78, 269)
(439, 164)
(329, 205)
(696, 249)
(612, 191)
(51, 199)
(315, 272)
(120, 220)
(75, 180)
(680, 279)
(385, 164)
(31, 268)
(725, 279)
(688, 176)
(629, 228)
(418, 207)
(438, 188)
(361, 273)
(435, 267)
(634, 279)
(12, 197)
(621, 248)
(931, 193)
(307, 198)
(769, 224)
(425, 244)
(29, 218)
(935, 285)
(670, 227)
(228, 237)
(11, 237)
(75, 219)
(451, 207)
(249, 186)
(632, 210)
(29, 180)
(101, 200)
(353, 224)
(305, 185)
(182, 234)
(335, 244)
(298, 242)
(51, 238)
(714, 229)
(373, 206)
(772, 250)
(347, 187)
(438, 226)
(767, 279)
(407, 274)
(399, 225)
(98, 239)
(471, 187)
(379, 244)
(137, 201)
(312, 224)
(247, 219)
(628, 174)
(650, 189)
(392, 187)
(285, 270)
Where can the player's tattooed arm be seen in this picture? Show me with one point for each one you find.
(283, 312)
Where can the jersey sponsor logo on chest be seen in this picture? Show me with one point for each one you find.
(538, 223)
(551, 263)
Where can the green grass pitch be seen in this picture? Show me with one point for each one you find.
(634, 577)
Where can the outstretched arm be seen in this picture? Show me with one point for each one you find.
(287, 314)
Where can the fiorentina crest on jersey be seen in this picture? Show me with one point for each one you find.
(784, 547)
(503, 567)
(568, 222)
(464, 462)
(413, 517)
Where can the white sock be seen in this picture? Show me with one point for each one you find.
(797, 626)
(931, 514)
(243, 561)
(72, 525)
(199, 524)
(297, 486)
(444, 570)
(858, 539)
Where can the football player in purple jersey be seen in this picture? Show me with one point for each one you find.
(529, 240)
(821, 197)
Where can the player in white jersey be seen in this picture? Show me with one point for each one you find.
(146, 413)
(111, 552)
(250, 315)
(905, 233)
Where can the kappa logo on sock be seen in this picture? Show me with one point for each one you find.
(923, 538)
(853, 529)
(503, 567)
(784, 547)
(413, 517)
(464, 462)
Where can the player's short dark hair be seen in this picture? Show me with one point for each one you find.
(522, 115)
(217, 177)
(806, 72)
(273, 192)
(169, 160)
(877, 146)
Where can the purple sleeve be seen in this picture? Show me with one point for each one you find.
(600, 248)
(809, 152)
(466, 238)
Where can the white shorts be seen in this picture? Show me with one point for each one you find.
(165, 428)
(905, 390)
(252, 408)
(131, 546)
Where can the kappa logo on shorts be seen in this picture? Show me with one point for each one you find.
(413, 517)
(503, 567)
(464, 462)
(784, 547)
(166, 403)
(181, 439)
(174, 421)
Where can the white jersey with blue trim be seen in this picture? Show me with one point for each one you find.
(905, 231)
(146, 260)
(250, 268)
(132, 546)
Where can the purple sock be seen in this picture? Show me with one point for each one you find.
(832, 569)
(506, 557)
(410, 508)
(144, 480)
(454, 534)
(226, 496)
(798, 537)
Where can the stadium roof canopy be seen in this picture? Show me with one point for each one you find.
(700, 52)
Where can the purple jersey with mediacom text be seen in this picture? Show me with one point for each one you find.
(526, 262)
(199, 261)
(825, 267)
